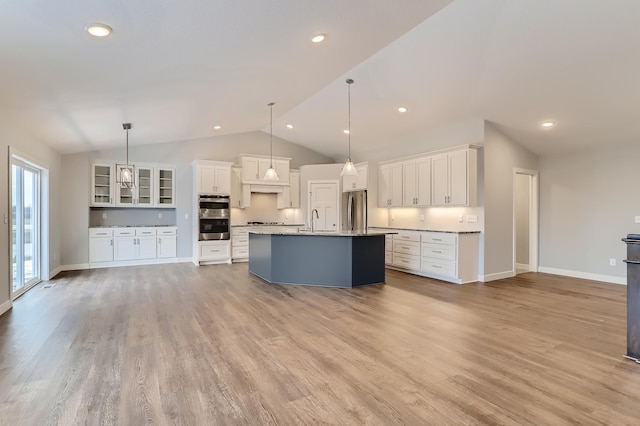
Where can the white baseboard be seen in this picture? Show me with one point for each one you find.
(584, 275)
(522, 266)
(184, 260)
(496, 276)
(5, 307)
(76, 267)
(53, 273)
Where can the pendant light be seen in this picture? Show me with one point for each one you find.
(125, 173)
(271, 174)
(349, 169)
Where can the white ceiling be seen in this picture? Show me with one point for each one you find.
(175, 69)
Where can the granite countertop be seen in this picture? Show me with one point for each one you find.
(266, 224)
(326, 234)
(426, 230)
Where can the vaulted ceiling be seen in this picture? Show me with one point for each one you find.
(177, 69)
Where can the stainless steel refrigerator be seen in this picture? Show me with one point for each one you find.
(354, 211)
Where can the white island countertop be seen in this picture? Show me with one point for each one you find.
(326, 234)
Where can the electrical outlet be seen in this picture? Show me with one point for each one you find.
(472, 218)
(159, 215)
(393, 217)
(422, 217)
(460, 218)
(612, 262)
(104, 215)
(637, 219)
(186, 216)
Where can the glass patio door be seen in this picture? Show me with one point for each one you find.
(25, 227)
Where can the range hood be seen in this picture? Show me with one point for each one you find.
(266, 189)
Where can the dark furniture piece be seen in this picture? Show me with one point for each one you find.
(633, 296)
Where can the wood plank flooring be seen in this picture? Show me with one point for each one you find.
(178, 344)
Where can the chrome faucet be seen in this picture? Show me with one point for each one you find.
(317, 217)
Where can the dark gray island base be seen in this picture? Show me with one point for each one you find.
(331, 260)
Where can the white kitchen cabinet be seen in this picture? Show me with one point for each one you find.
(141, 195)
(240, 243)
(102, 185)
(356, 183)
(416, 182)
(100, 245)
(134, 243)
(454, 178)
(212, 177)
(390, 185)
(254, 167)
(240, 194)
(289, 198)
(165, 186)
(214, 252)
(167, 242)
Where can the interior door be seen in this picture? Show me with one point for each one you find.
(25, 227)
(324, 199)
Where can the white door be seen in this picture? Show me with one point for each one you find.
(323, 199)
(144, 193)
(146, 247)
(458, 178)
(440, 180)
(423, 181)
(223, 180)
(167, 246)
(100, 250)
(395, 189)
(409, 183)
(124, 248)
(383, 186)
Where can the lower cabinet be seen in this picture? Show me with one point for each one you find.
(214, 251)
(240, 238)
(448, 256)
(130, 246)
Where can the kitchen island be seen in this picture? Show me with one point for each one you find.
(347, 259)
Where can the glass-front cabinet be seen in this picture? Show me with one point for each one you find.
(102, 185)
(165, 184)
(141, 195)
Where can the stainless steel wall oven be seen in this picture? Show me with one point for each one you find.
(214, 217)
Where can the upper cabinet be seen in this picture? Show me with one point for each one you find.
(289, 198)
(454, 178)
(254, 167)
(416, 182)
(102, 185)
(443, 179)
(356, 183)
(154, 186)
(212, 177)
(240, 194)
(390, 185)
(165, 186)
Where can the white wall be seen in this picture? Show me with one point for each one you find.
(10, 135)
(501, 156)
(588, 201)
(76, 179)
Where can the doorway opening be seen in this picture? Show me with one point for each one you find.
(27, 198)
(525, 221)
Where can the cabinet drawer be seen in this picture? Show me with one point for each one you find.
(124, 232)
(407, 236)
(214, 250)
(242, 240)
(239, 231)
(240, 252)
(145, 232)
(388, 258)
(406, 261)
(100, 232)
(167, 231)
(406, 247)
(443, 267)
(440, 238)
(439, 251)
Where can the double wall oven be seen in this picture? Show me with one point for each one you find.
(214, 219)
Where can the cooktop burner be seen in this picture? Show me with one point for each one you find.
(265, 223)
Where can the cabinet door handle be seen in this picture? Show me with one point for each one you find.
(111, 242)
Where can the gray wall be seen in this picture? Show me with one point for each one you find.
(588, 201)
(37, 151)
(76, 179)
(501, 156)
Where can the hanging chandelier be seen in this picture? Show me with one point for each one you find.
(125, 173)
(349, 169)
(271, 174)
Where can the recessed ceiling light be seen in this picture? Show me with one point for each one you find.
(346, 132)
(217, 127)
(403, 109)
(98, 30)
(548, 124)
(289, 126)
(318, 38)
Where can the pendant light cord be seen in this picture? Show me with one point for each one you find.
(127, 148)
(271, 104)
(349, 82)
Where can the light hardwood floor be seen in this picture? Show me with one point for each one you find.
(178, 344)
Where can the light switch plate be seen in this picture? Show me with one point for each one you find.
(104, 215)
(637, 219)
